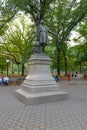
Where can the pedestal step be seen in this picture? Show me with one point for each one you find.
(37, 98)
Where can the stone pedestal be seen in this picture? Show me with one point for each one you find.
(39, 86)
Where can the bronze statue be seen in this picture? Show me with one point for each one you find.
(42, 33)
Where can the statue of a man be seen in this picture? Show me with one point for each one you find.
(42, 34)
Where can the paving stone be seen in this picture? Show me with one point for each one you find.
(49, 129)
(36, 129)
(10, 129)
(23, 129)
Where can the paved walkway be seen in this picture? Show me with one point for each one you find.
(63, 115)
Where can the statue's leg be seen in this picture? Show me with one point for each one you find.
(43, 47)
(40, 48)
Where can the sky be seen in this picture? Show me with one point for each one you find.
(74, 34)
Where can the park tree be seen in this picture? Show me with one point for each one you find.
(6, 15)
(17, 42)
(2, 63)
(65, 17)
(68, 18)
(76, 54)
(82, 29)
(82, 40)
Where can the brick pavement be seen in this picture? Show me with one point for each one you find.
(63, 115)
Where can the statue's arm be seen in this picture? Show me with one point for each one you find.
(54, 33)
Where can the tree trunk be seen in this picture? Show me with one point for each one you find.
(22, 69)
(58, 63)
(65, 59)
(58, 56)
(64, 49)
(18, 69)
(80, 69)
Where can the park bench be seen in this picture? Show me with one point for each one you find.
(15, 81)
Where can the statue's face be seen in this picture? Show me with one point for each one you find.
(37, 43)
(42, 22)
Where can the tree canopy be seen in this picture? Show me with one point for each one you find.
(61, 16)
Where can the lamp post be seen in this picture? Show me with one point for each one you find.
(7, 61)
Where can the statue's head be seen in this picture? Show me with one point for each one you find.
(42, 21)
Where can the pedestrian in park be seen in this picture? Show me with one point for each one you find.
(5, 80)
(56, 78)
(1, 81)
(76, 74)
(69, 76)
(72, 74)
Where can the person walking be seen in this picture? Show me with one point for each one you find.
(1, 81)
(76, 74)
(69, 76)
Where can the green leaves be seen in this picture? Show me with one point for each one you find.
(16, 41)
(61, 16)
